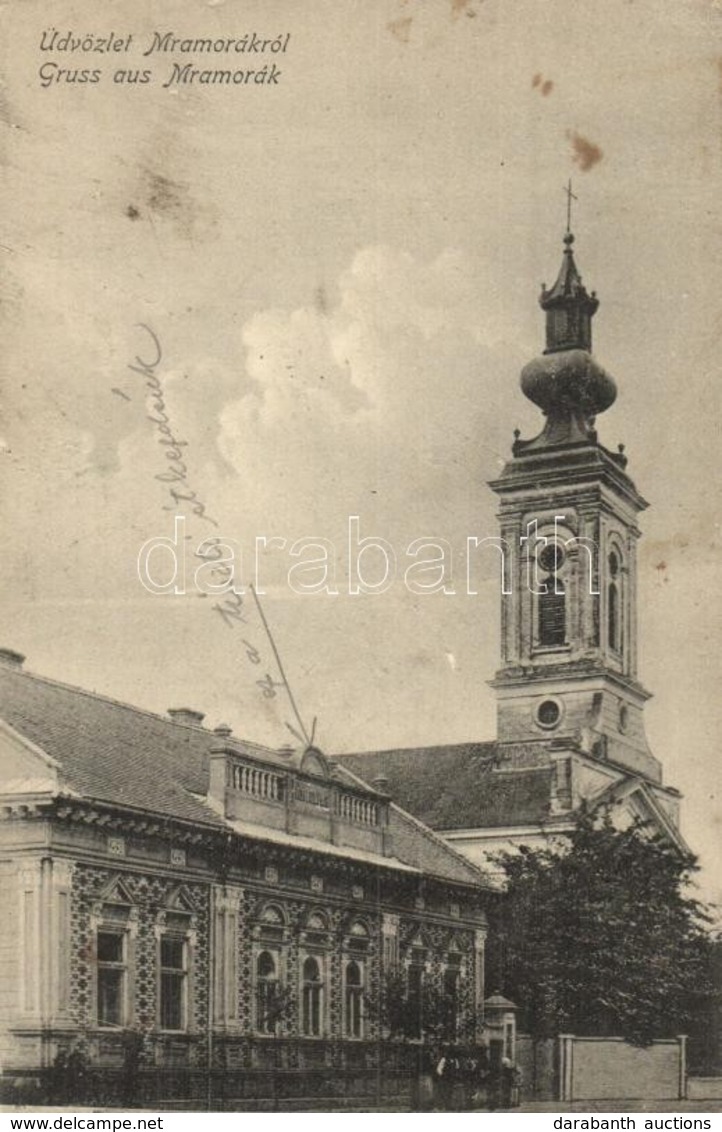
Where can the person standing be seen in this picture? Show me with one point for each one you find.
(507, 1081)
(443, 1082)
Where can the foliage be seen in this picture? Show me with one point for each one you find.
(277, 1006)
(599, 937)
(431, 1015)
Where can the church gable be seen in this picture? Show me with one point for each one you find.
(631, 801)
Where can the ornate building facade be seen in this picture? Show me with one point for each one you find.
(570, 706)
(190, 918)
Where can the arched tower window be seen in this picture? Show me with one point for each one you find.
(614, 611)
(552, 614)
(552, 602)
(311, 998)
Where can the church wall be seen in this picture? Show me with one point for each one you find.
(482, 849)
(669, 804)
(517, 719)
(590, 780)
(589, 715)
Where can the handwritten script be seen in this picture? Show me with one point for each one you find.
(232, 608)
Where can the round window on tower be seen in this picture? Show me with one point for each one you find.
(548, 714)
(551, 557)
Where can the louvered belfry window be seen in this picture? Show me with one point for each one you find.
(552, 614)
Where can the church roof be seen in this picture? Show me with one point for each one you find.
(110, 752)
(460, 786)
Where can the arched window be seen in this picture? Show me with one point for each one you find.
(552, 614)
(311, 998)
(316, 922)
(415, 999)
(354, 1000)
(452, 979)
(272, 915)
(267, 996)
(614, 619)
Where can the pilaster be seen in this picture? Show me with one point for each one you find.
(226, 915)
(44, 892)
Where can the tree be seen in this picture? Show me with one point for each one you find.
(430, 1013)
(599, 937)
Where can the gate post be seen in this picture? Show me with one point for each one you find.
(566, 1067)
(682, 1039)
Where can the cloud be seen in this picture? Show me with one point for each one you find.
(340, 403)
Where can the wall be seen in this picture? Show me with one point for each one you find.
(704, 1088)
(607, 1068)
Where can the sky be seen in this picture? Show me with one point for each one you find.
(332, 277)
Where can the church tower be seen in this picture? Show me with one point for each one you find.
(570, 706)
(568, 516)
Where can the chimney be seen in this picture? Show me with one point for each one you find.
(11, 659)
(186, 716)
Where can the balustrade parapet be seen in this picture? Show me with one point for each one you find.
(291, 789)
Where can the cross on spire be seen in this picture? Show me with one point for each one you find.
(570, 197)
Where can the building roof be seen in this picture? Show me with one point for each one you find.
(459, 786)
(110, 752)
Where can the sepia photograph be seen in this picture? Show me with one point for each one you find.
(360, 635)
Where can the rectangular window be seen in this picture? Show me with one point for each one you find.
(112, 974)
(173, 982)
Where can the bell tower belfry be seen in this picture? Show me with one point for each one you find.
(568, 517)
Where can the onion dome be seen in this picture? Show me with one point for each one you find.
(569, 381)
(566, 382)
